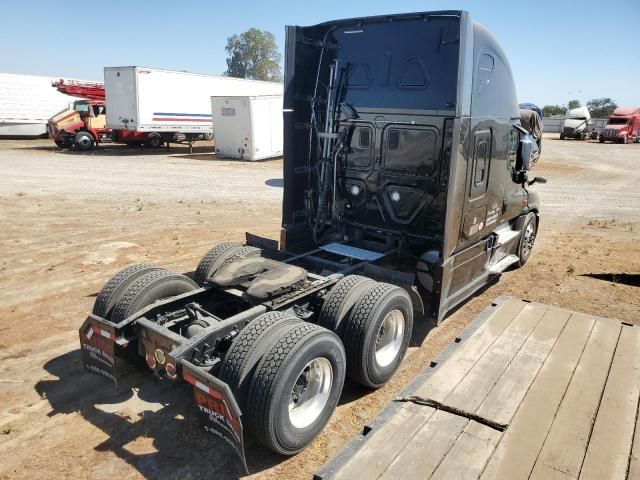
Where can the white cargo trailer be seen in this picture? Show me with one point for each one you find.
(169, 104)
(26, 104)
(247, 127)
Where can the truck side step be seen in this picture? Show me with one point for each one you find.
(503, 264)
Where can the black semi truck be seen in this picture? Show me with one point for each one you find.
(406, 189)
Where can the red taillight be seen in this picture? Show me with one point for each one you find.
(151, 360)
(170, 369)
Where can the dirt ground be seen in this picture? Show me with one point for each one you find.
(69, 221)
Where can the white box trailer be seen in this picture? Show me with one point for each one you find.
(247, 127)
(26, 104)
(175, 105)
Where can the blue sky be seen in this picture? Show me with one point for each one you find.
(559, 50)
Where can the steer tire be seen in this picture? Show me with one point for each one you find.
(364, 330)
(340, 300)
(150, 288)
(113, 289)
(247, 349)
(84, 141)
(283, 366)
(213, 259)
(527, 239)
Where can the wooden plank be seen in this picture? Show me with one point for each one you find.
(517, 451)
(427, 448)
(445, 379)
(385, 443)
(504, 399)
(469, 454)
(634, 462)
(476, 385)
(610, 444)
(566, 444)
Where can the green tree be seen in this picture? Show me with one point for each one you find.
(574, 104)
(601, 107)
(254, 55)
(549, 110)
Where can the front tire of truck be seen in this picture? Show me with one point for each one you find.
(562, 136)
(377, 334)
(113, 289)
(84, 141)
(149, 288)
(527, 238)
(296, 388)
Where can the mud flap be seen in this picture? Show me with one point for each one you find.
(98, 345)
(217, 408)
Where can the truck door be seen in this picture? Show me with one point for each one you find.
(477, 183)
(469, 263)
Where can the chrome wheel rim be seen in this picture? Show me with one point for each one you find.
(527, 240)
(389, 338)
(310, 393)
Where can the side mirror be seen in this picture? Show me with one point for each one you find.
(538, 180)
(527, 152)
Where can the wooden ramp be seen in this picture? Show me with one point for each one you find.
(527, 391)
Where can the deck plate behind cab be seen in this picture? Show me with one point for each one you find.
(352, 252)
(527, 391)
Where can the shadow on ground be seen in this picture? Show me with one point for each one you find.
(624, 278)
(161, 411)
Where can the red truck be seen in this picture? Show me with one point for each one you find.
(623, 126)
(84, 124)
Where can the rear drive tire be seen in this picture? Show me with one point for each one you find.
(113, 289)
(527, 238)
(213, 259)
(296, 388)
(248, 348)
(84, 141)
(340, 300)
(150, 288)
(377, 334)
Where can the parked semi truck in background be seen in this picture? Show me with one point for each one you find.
(623, 126)
(162, 106)
(406, 190)
(575, 123)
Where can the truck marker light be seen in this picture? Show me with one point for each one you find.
(170, 370)
(355, 190)
(395, 196)
(151, 361)
(160, 357)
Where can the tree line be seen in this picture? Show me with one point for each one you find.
(598, 107)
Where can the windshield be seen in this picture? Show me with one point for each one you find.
(618, 121)
(81, 107)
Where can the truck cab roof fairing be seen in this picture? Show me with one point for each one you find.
(494, 93)
(392, 67)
